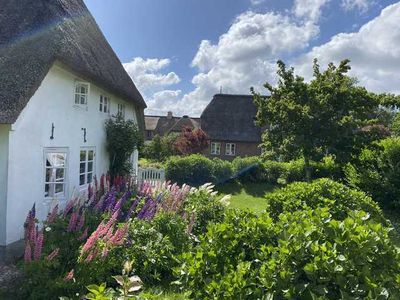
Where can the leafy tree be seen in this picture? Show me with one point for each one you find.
(191, 141)
(395, 125)
(161, 147)
(312, 119)
(123, 137)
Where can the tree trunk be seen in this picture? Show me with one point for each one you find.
(307, 168)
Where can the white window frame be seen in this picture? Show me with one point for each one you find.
(215, 148)
(104, 105)
(230, 149)
(78, 94)
(121, 110)
(57, 181)
(86, 163)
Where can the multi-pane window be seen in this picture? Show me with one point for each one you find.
(121, 110)
(55, 172)
(230, 149)
(81, 93)
(86, 166)
(104, 104)
(215, 148)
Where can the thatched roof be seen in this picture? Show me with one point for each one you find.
(36, 33)
(163, 125)
(231, 118)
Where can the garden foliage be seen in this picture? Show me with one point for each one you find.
(123, 137)
(91, 239)
(306, 254)
(376, 171)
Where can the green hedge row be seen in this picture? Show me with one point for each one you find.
(197, 169)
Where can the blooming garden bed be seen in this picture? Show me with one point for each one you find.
(320, 240)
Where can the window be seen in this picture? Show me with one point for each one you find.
(86, 166)
(104, 104)
(121, 110)
(230, 149)
(55, 172)
(81, 93)
(215, 148)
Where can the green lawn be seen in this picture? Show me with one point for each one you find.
(247, 196)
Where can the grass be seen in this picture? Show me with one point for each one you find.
(247, 196)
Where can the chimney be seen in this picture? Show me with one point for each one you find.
(169, 115)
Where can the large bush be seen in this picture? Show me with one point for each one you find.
(376, 172)
(197, 169)
(339, 199)
(306, 254)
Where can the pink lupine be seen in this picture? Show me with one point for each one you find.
(84, 235)
(28, 252)
(69, 276)
(53, 254)
(38, 246)
(191, 223)
(73, 221)
(120, 235)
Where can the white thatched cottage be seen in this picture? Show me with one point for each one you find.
(59, 82)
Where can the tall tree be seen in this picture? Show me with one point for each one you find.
(315, 118)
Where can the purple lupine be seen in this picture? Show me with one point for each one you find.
(84, 235)
(99, 205)
(122, 201)
(73, 221)
(69, 206)
(52, 215)
(132, 209)
(90, 191)
(38, 246)
(30, 222)
(81, 222)
(53, 254)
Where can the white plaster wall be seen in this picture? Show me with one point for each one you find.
(4, 130)
(53, 102)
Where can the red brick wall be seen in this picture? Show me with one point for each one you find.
(242, 150)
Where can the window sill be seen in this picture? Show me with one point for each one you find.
(81, 107)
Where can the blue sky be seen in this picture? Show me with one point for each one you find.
(181, 52)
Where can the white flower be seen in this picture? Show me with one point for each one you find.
(48, 229)
(226, 200)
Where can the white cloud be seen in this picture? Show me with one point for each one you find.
(151, 81)
(309, 9)
(256, 2)
(361, 5)
(245, 55)
(374, 52)
(146, 73)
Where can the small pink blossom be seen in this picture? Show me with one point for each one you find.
(53, 254)
(69, 276)
(38, 246)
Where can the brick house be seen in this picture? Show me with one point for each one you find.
(228, 121)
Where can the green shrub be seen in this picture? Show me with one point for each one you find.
(197, 169)
(327, 168)
(193, 170)
(248, 169)
(148, 163)
(376, 172)
(339, 199)
(222, 170)
(305, 254)
(284, 172)
(207, 208)
(154, 246)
